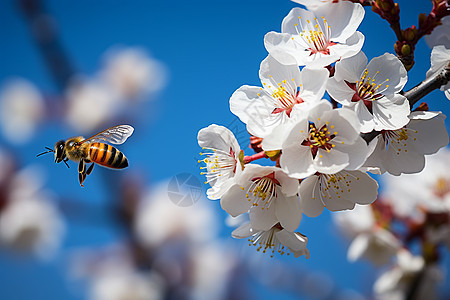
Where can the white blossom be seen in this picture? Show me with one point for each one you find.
(327, 141)
(320, 37)
(222, 162)
(403, 151)
(131, 72)
(440, 58)
(336, 192)
(275, 239)
(125, 285)
(396, 282)
(372, 90)
(31, 222)
(158, 219)
(377, 245)
(90, 104)
(440, 35)
(411, 194)
(285, 90)
(268, 194)
(369, 240)
(21, 109)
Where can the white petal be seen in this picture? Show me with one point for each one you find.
(243, 231)
(402, 157)
(234, 201)
(357, 153)
(358, 247)
(351, 46)
(317, 111)
(272, 72)
(288, 212)
(343, 17)
(217, 137)
(263, 219)
(388, 67)
(319, 60)
(390, 112)
(340, 91)
(282, 47)
(376, 158)
(295, 241)
(289, 185)
(351, 68)
(297, 161)
(330, 162)
(254, 106)
(439, 58)
(344, 122)
(431, 134)
(278, 136)
(296, 15)
(331, 194)
(311, 204)
(313, 84)
(364, 116)
(219, 188)
(359, 187)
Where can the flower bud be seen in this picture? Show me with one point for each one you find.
(273, 155)
(409, 34)
(406, 50)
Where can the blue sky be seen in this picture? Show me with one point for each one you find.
(210, 49)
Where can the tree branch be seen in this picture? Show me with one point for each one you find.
(46, 37)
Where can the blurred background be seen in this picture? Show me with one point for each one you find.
(167, 68)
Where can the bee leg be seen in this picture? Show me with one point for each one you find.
(89, 170)
(82, 166)
(81, 178)
(81, 171)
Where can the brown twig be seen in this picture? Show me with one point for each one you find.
(407, 39)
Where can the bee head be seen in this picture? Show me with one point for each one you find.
(60, 154)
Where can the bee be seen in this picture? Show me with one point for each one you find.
(94, 150)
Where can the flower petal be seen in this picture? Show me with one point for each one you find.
(340, 91)
(295, 241)
(431, 134)
(311, 204)
(234, 201)
(343, 18)
(351, 68)
(288, 212)
(388, 70)
(263, 219)
(217, 137)
(391, 112)
(330, 162)
(313, 84)
(243, 231)
(272, 73)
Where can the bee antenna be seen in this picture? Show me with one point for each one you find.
(49, 150)
(65, 161)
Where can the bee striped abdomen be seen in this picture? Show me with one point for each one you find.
(107, 155)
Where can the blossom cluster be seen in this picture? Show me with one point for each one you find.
(321, 159)
(406, 230)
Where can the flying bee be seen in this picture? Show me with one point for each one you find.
(93, 150)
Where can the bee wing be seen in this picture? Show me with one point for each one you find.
(114, 135)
